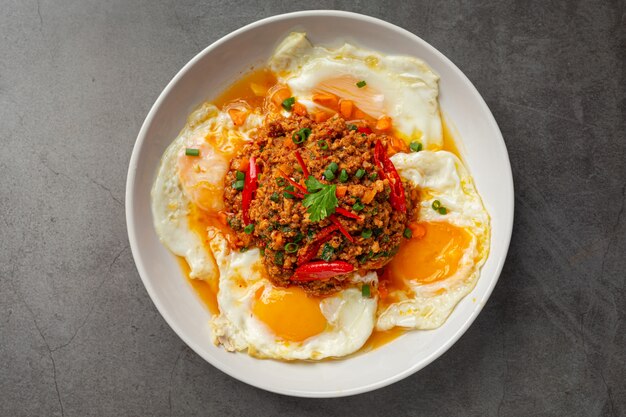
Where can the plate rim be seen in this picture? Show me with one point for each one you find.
(134, 245)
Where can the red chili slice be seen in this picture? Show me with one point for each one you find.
(249, 188)
(347, 213)
(388, 171)
(318, 270)
(294, 183)
(342, 229)
(305, 171)
(295, 194)
(322, 237)
(364, 129)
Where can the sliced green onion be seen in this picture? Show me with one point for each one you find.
(333, 167)
(366, 234)
(249, 229)
(365, 291)
(280, 182)
(240, 175)
(442, 210)
(291, 247)
(288, 103)
(301, 135)
(192, 152)
(275, 197)
(360, 173)
(238, 185)
(244, 249)
(322, 144)
(262, 250)
(361, 84)
(258, 177)
(408, 233)
(415, 146)
(343, 176)
(352, 127)
(329, 175)
(436, 205)
(298, 237)
(373, 176)
(358, 206)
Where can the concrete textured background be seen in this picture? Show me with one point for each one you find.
(79, 335)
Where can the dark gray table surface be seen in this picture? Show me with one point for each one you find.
(79, 335)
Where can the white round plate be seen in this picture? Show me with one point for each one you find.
(206, 75)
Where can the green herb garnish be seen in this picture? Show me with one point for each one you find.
(279, 258)
(275, 197)
(291, 189)
(408, 233)
(366, 233)
(249, 228)
(373, 176)
(321, 203)
(361, 84)
(240, 175)
(322, 144)
(327, 252)
(312, 184)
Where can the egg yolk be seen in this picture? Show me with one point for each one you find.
(430, 256)
(290, 313)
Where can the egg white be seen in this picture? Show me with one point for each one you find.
(171, 201)
(442, 176)
(349, 315)
(405, 88)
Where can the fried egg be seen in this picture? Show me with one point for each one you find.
(284, 323)
(188, 187)
(401, 87)
(440, 264)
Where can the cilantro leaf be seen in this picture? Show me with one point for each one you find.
(322, 203)
(312, 184)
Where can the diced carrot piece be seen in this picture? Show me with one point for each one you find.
(341, 191)
(419, 231)
(280, 95)
(321, 116)
(222, 217)
(326, 99)
(299, 109)
(238, 116)
(290, 144)
(382, 290)
(345, 108)
(243, 164)
(384, 123)
(368, 196)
